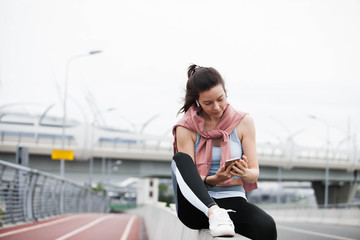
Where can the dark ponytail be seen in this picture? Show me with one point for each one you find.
(191, 70)
(200, 79)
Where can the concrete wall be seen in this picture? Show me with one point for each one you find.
(163, 224)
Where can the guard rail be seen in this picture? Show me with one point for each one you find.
(28, 195)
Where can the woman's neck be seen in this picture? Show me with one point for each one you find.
(210, 123)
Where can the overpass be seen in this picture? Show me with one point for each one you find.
(145, 155)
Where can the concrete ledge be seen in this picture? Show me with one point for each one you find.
(162, 223)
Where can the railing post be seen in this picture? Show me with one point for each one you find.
(58, 197)
(78, 202)
(40, 199)
(30, 196)
(88, 200)
(62, 197)
(13, 196)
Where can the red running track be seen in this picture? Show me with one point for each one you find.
(80, 227)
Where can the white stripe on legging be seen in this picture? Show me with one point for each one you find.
(188, 194)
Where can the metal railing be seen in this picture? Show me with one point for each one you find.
(28, 195)
(310, 157)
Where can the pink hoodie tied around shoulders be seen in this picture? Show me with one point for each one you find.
(194, 122)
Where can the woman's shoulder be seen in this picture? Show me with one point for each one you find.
(246, 120)
(185, 133)
(246, 124)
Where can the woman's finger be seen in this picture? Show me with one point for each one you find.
(228, 169)
(239, 169)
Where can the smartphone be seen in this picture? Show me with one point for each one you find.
(229, 161)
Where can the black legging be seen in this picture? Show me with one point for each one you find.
(193, 202)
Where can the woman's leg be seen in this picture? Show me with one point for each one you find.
(249, 220)
(191, 196)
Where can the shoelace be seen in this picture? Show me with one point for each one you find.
(224, 219)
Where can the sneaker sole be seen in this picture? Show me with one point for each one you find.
(228, 234)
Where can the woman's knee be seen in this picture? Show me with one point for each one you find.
(183, 161)
(267, 228)
(193, 221)
(182, 156)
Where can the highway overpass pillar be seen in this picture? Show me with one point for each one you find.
(339, 192)
(22, 156)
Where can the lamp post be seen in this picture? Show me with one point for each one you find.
(350, 139)
(91, 163)
(289, 140)
(110, 168)
(327, 158)
(62, 162)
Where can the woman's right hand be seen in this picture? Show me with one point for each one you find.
(223, 173)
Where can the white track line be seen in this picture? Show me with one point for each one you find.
(314, 233)
(37, 226)
(76, 231)
(128, 228)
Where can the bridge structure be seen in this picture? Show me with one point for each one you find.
(99, 149)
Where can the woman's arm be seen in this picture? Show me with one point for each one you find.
(185, 141)
(249, 168)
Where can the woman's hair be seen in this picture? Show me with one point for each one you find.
(200, 79)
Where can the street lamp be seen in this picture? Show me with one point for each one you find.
(62, 162)
(350, 139)
(91, 163)
(290, 141)
(111, 168)
(327, 158)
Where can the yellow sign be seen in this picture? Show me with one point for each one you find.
(57, 154)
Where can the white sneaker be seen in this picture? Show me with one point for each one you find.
(221, 224)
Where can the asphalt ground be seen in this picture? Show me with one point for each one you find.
(315, 231)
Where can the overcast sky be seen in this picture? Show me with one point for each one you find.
(281, 60)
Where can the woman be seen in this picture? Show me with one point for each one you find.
(210, 133)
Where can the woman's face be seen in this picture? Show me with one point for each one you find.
(213, 101)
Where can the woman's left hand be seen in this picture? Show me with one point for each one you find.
(240, 168)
